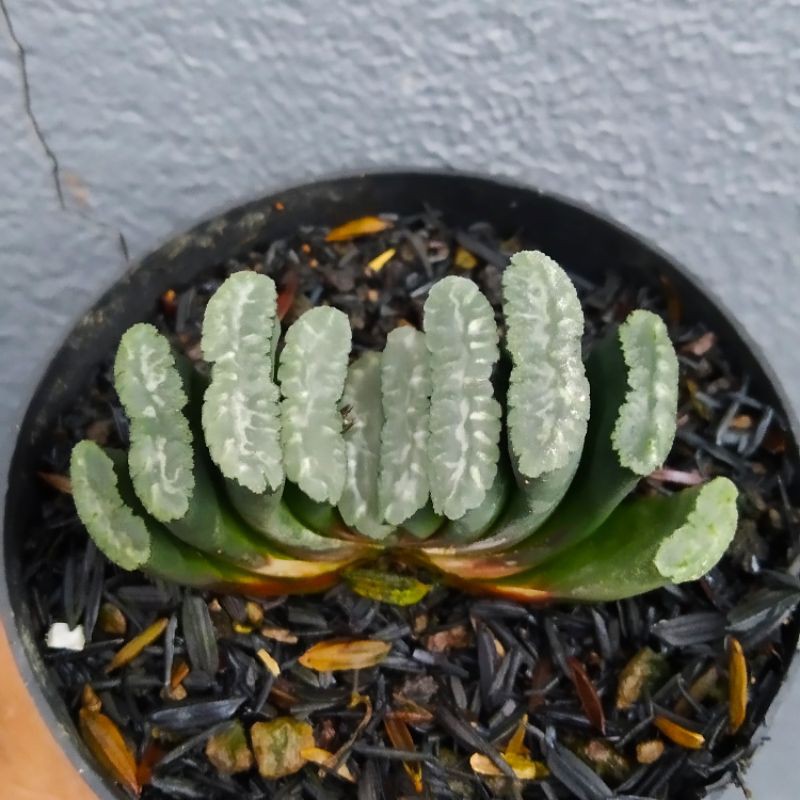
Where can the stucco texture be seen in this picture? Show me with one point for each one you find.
(680, 119)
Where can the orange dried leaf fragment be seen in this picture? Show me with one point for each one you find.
(107, 745)
(152, 754)
(463, 259)
(700, 346)
(650, 751)
(381, 260)
(683, 737)
(279, 744)
(526, 769)
(409, 711)
(587, 694)
(335, 655)
(642, 671)
(61, 483)
(135, 646)
(327, 760)
(180, 671)
(401, 739)
(516, 744)
(387, 587)
(453, 638)
(604, 760)
(169, 301)
(279, 634)
(89, 699)
(287, 294)
(737, 686)
(363, 226)
(269, 662)
(704, 686)
(111, 620)
(228, 751)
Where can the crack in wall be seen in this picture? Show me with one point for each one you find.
(55, 167)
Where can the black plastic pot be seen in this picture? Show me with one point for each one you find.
(577, 237)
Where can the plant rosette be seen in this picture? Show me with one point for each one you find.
(551, 518)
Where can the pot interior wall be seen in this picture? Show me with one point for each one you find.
(584, 243)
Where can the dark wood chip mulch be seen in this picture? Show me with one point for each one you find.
(506, 660)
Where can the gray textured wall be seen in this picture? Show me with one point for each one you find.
(680, 119)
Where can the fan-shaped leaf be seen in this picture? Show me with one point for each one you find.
(645, 427)
(151, 391)
(548, 394)
(119, 533)
(240, 409)
(644, 544)
(465, 418)
(358, 504)
(696, 546)
(406, 387)
(601, 481)
(482, 519)
(312, 371)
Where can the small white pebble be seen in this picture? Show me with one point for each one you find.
(60, 637)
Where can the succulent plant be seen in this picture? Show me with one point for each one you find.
(500, 459)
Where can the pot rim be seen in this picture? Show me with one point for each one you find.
(15, 633)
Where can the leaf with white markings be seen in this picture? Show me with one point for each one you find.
(548, 394)
(465, 418)
(240, 409)
(406, 385)
(120, 534)
(645, 427)
(358, 504)
(151, 391)
(312, 371)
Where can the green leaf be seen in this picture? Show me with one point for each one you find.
(406, 387)
(273, 573)
(646, 543)
(281, 526)
(240, 409)
(531, 503)
(481, 520)
(646, 423)
(358, 504)
(211, 526)
(600, 484)
(424, 523)
(548, 394)
(465, 418)
(696, 546)
(312, 371)
(118, 533)
(320, 517)
(151, 391)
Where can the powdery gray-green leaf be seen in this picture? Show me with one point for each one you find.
(241, 418)
(406, 387)
(151, 391)
(465, 418)
(358, 503)
(121, 535)
(312, 371)
(694, 548)
(239, 318)
(548, 395)
(645, 428)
